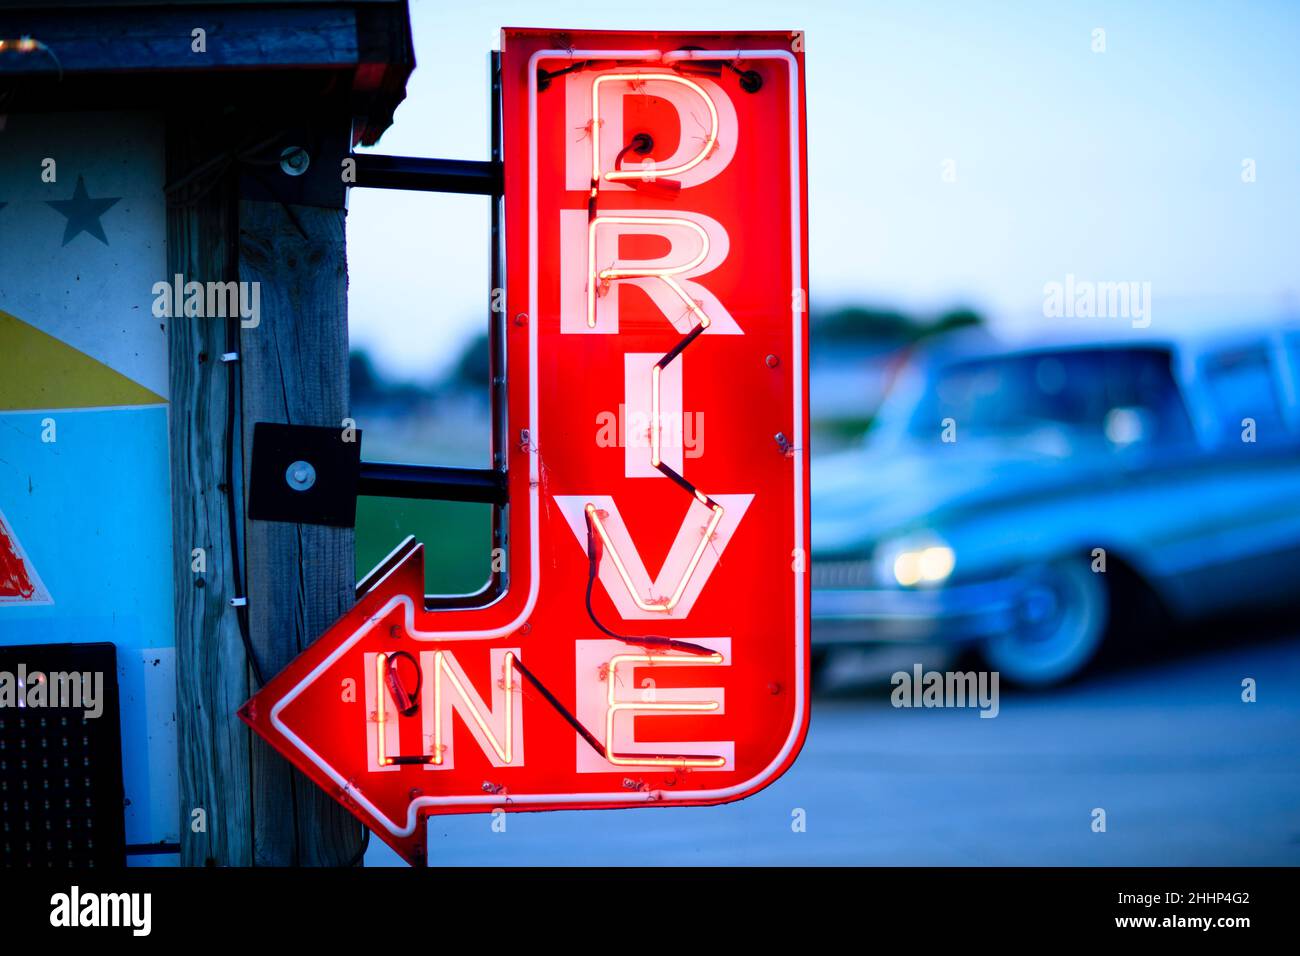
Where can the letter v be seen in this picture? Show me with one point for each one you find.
(685, 571)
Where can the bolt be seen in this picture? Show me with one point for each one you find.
(300, 475)
(772, 361)
(294, 161)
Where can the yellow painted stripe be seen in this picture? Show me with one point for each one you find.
(39, 371)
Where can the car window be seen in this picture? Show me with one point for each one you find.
(1293, 367)
(1241, 384)
(1124, 396)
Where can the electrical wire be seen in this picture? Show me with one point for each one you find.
(236, 569)
(649, 640)
(360, 855)
(209, 175)
(233, 391)
(574, 722)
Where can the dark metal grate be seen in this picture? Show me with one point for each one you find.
(61, 799)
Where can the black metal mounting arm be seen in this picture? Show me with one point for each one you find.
(313, 475)
(383, 479)
(467, 176)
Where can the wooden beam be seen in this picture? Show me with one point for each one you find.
(300, 577)
(211, 674)
(297, 579)
(100, 55)
(133, 39)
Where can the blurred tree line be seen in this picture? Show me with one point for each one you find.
(468, 375)
(837, 335)
(866, 325)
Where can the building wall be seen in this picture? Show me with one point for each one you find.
(85, 540)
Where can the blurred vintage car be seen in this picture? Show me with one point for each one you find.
(1060, 457)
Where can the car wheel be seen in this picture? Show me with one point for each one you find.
(1064, 618)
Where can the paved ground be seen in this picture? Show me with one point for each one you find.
(1187, 774)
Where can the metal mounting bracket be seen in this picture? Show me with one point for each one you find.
(304, 474)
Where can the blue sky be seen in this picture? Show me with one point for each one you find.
(1114, 166)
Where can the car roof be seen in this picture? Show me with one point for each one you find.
(1195, 340)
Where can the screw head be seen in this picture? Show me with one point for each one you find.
(300, 475)
(294, 161)
(772, 361)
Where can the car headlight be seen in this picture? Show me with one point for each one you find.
(913, 562)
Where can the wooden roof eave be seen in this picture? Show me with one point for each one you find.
(142, 56)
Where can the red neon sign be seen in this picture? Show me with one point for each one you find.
(651, 648)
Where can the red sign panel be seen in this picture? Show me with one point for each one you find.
(652, 645)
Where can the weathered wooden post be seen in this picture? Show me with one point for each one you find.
(279, 232)
(287, 364)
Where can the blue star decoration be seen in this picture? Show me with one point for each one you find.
(83, 213)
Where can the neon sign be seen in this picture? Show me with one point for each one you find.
(651, 646)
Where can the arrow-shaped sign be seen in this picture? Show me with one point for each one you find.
(665, 667)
